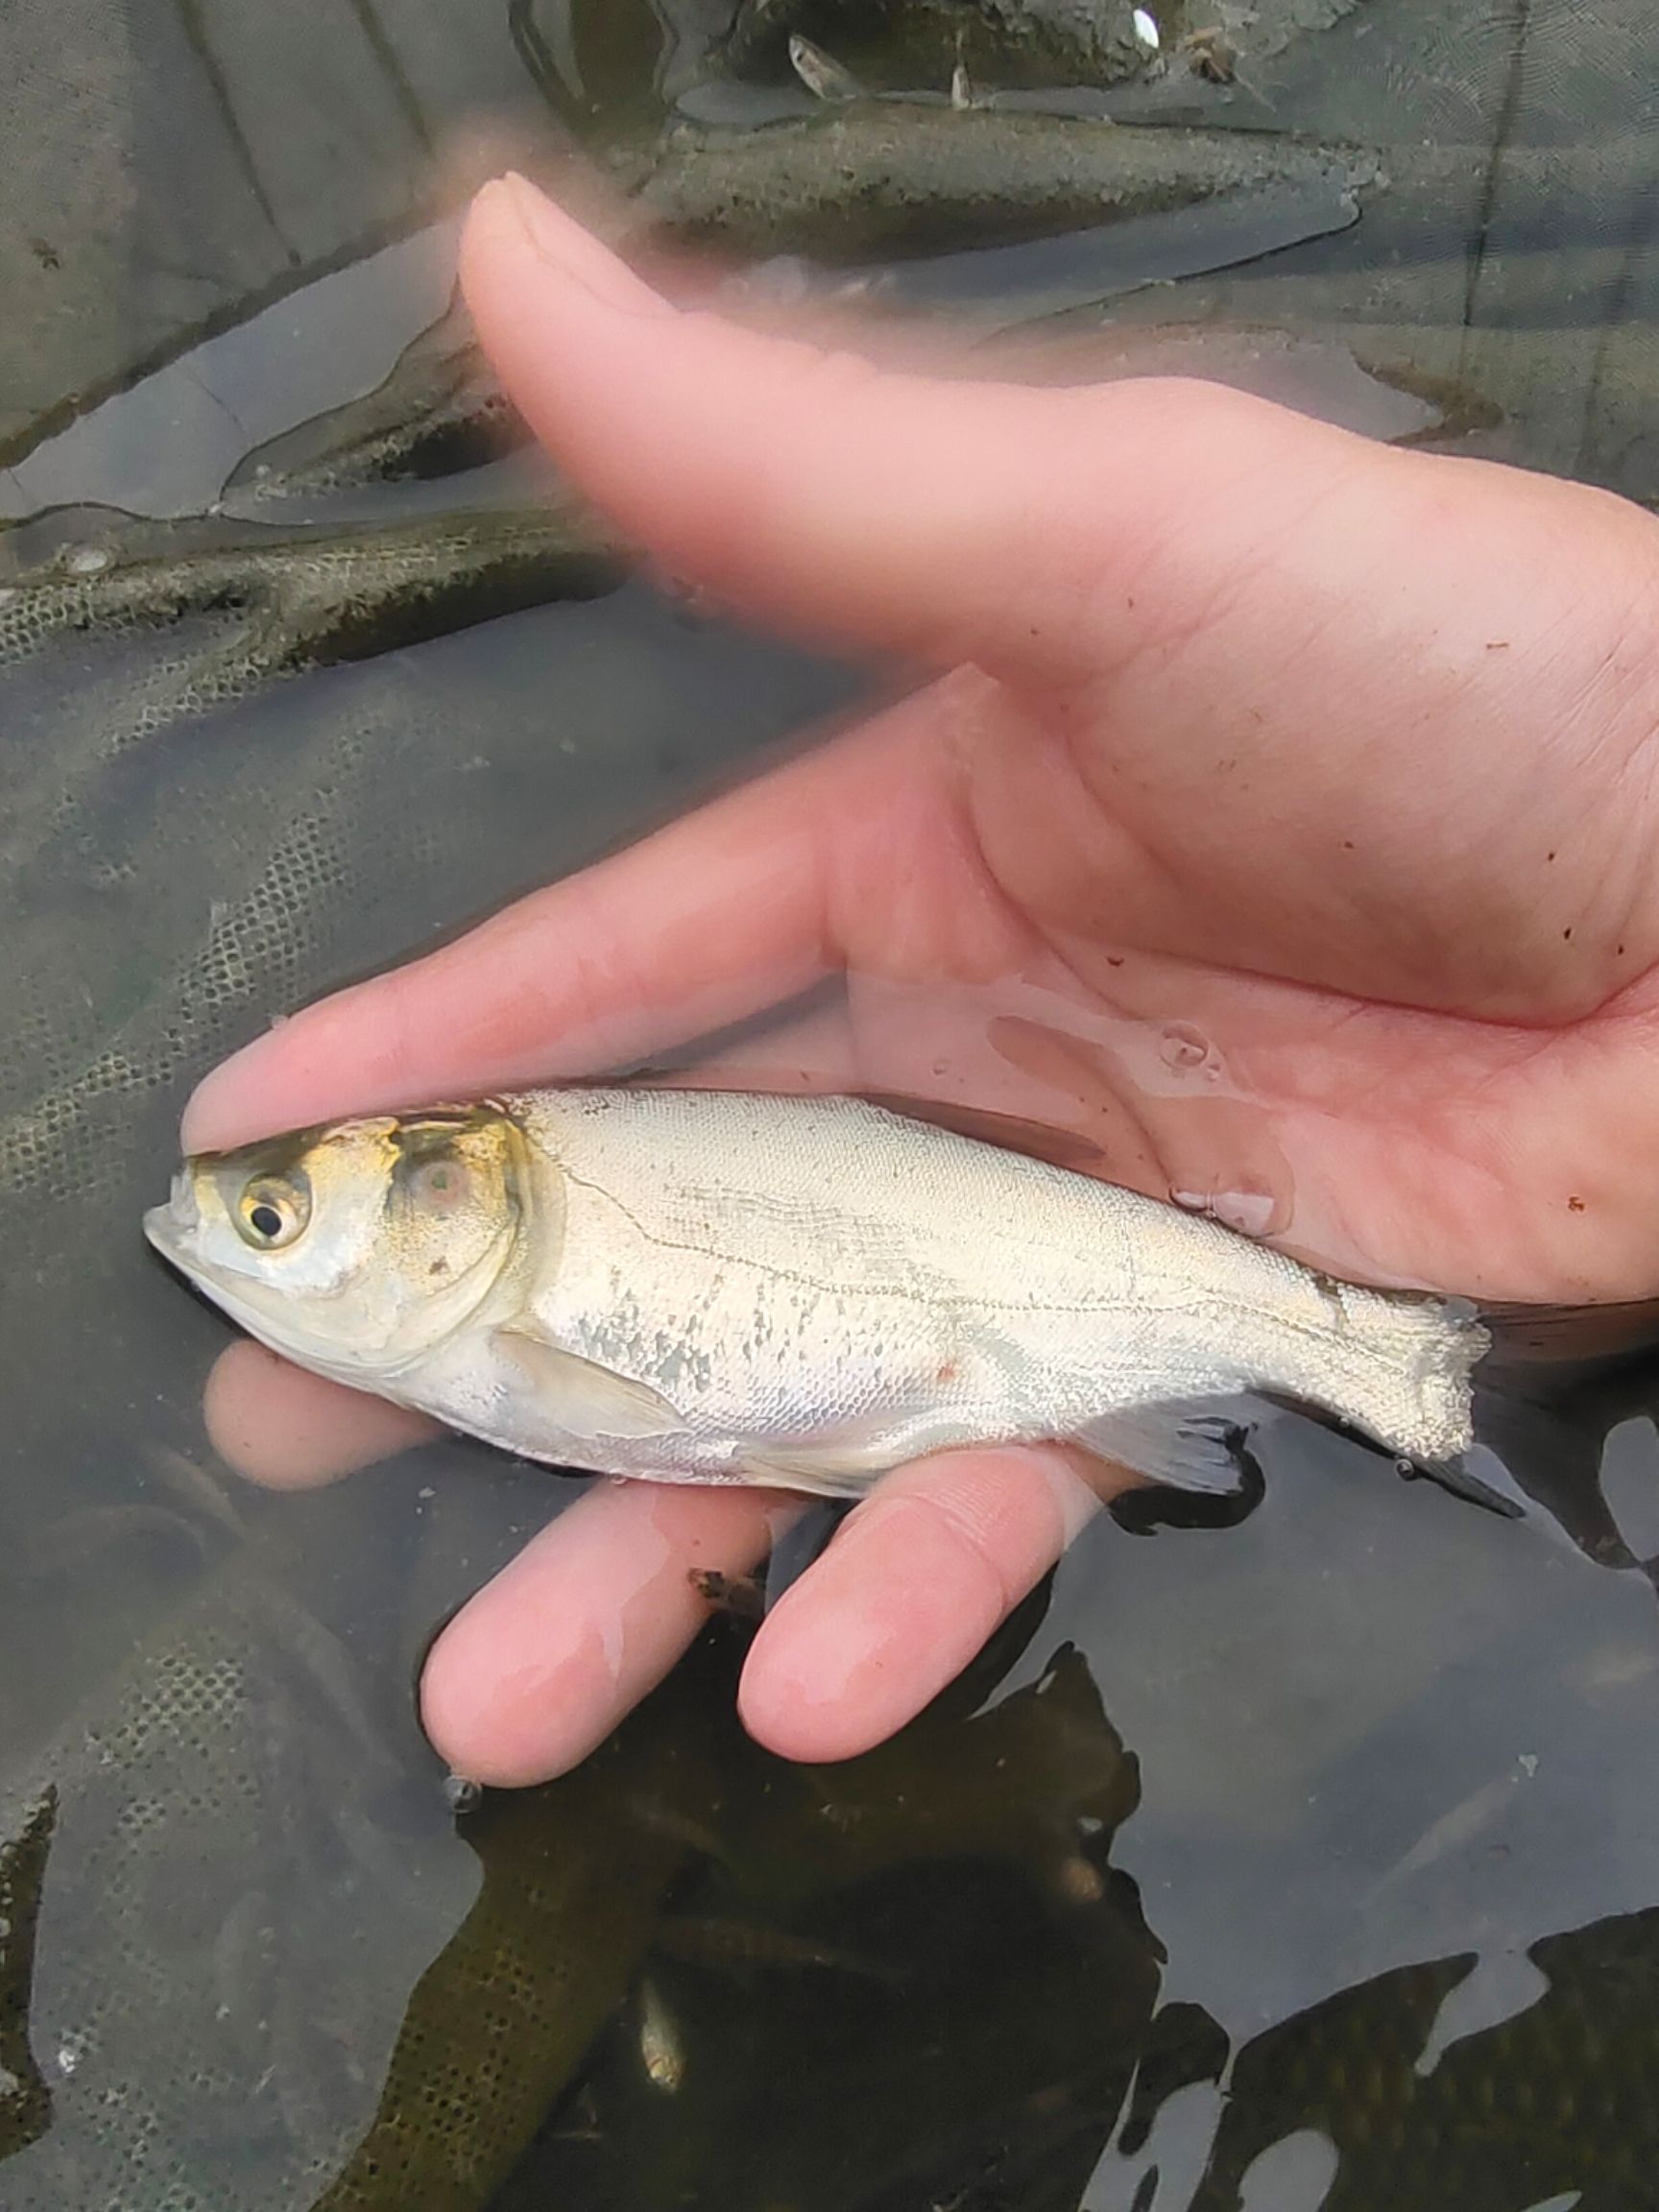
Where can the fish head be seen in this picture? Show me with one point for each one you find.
(358, 1248)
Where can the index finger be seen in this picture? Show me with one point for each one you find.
(709, 921)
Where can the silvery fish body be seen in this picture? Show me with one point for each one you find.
(718, 1286)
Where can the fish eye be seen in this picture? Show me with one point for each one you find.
(272, 1209)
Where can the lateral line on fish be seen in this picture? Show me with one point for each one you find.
(1216, 1301)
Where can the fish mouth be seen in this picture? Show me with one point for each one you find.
(172, 1228)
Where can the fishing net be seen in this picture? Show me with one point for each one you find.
(242, 758)
(208, 1821)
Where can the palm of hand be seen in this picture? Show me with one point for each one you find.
(1282, 833)
(1388, 1000)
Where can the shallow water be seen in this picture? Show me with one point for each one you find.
(1312, 1859)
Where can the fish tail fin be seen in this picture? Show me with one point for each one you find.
(1537, 1452)
(1540, 1421)
(1498, 1379)
(1494, 1374)
(1501, 1378)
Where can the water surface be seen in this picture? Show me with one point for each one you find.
(1308, 1859)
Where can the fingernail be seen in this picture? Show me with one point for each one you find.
(545, 227)
(580, 257)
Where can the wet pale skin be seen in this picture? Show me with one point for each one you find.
(1330, 765)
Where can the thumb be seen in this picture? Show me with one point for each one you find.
(946, 520)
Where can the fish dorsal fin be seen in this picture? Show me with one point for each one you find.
(585, 1399)
(1009, 1132)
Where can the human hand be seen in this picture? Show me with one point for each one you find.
(1283, 826)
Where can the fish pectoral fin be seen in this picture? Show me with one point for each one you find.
(1190, 1443)
(587, 1399)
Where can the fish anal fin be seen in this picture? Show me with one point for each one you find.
(825, 1470)
(585, 1399)
(1189, 1443)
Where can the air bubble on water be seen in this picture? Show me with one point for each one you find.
(89, 560)
(460, 1794)
(876, 284)
(1147, 31)
(1181, 1045)
(783, 280)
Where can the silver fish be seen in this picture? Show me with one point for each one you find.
(662, 2052)
(697, 1286)
(821, 73)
